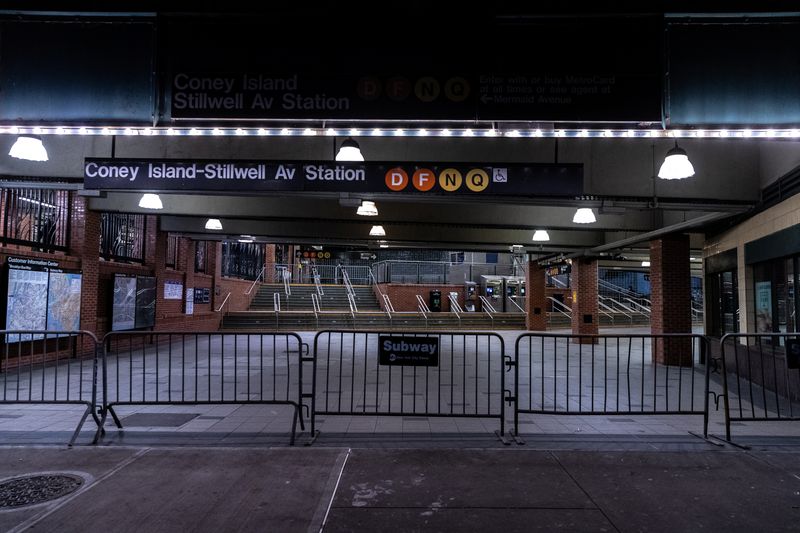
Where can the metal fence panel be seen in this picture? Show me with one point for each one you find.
(616, 374)
(172, 368)
(469, 380)
(761, 377)
(51, 367)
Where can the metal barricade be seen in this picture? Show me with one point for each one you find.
(761, 377)
(568, 374)
(52, 367)
(180, 368)
(352, 377)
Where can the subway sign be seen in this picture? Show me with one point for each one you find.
(493, 179)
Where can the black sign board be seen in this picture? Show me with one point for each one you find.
(408, 351)
(202, 295)
(473, 179)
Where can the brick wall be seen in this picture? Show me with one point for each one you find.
(536, 302)
(670, 297)
(403, 296)
(585, 319)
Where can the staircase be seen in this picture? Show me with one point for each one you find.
(297, 313)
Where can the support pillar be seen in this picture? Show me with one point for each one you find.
(585, 318)
(670, 285)
(535, 297)
(84, 242)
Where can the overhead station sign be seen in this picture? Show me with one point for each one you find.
(535, 179)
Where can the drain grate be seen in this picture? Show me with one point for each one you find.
(30, 490)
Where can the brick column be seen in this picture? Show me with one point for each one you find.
(186, 253)
(670, 286)
(84, 242)
(159, 264)
(535, 297)
(585, 318)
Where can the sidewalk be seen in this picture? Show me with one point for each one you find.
(135, 489)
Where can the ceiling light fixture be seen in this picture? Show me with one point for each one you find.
(349, 151)
(377, 231)
(367, 209)
(541, 235)
(213, 223)
(645, 263)
(584, 215)
(676, 165)
(151, 201)
(28, 147)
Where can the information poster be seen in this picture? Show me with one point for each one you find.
(173, 290)
(26, 306)
(64, 301)
(123, 314)
(189, 301)
(763, 307)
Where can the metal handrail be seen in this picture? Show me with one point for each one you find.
(347, 285)
(454, 305)
(287, 288)
(557, 281)
(387, 303)
(317, 284)
(315, 306)
(562, 304)
(260, 275)
(276, 301)
(422, 306)
(351, 300)
(514, 301)
(620, 304)
(637, 304)
(223, 303)
(486, 304)
(608, 314)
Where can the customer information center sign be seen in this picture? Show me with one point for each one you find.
(537, 179)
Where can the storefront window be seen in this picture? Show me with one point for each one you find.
(723, 303)
(775, 305)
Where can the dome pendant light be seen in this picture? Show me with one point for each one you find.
(541, 235)
(29, 147)
(349, 151)
(367, 209)
(151, 201)
(584, 215)
(676, 165)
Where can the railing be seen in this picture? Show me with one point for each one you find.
(608, 313)
(359, 373)
(227, 296)
(348, 286)
(455, 308)
(558, 303)
(179, 368)
(276, 302)
(611, 374)
(616, 309)
(514, 301)
(422, 307)
(287, 287)
(644, 309)
(437, 272)
(761, 377)
(317, 283)
(697, 314)
(351, 301)
(316, 307)
(260, 276)
(53, 367)
(388, 307)
(486, 304)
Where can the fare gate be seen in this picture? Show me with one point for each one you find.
(761, 377)
(180, 368)
(52, 367)
(568, 374)
(408, 373)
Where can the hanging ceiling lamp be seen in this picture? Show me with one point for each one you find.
(349, 151)
(584, 215)
(676, 165)
(28, 147)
